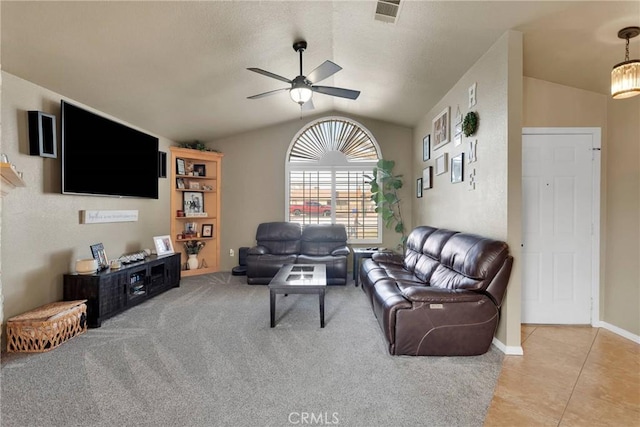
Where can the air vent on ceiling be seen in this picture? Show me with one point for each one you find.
(387, 11)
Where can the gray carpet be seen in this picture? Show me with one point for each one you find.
(204, 355)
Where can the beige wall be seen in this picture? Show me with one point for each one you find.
(552, 105)
(41, 234)
(621, 302)
(485, 210)
(253, 178)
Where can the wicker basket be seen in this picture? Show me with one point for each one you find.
(46, 327)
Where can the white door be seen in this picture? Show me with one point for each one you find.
(558, 200)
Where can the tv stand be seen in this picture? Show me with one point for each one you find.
(110, 292)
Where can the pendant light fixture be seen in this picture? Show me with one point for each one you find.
(625, 76)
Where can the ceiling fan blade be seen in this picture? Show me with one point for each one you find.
(324, 70)
(308, 106)
(337, 91)
(271, 92)
(269, 74)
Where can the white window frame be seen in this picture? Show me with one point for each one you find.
(332, 161)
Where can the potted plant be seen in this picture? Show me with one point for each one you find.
(384, 193)
(193, 248)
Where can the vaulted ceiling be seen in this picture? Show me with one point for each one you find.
(178, 69)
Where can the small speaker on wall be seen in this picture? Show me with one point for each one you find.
(42, 134)
(162, 169)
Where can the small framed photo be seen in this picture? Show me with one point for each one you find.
(441, 164)
(457, 167)
(193, 202)
(427, 174)
(180, 183)
(419, 188)
(163, 245)
(207, 230)
(472, 94)
(100, 255)
(194, 185)
(441, 132)
(200, 170)
(426, 148)
(180, 167)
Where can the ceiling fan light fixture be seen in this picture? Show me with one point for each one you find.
(300, 94)
(625, 76)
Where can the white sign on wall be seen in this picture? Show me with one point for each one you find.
(96, 217)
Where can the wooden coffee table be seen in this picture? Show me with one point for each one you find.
(299, 279)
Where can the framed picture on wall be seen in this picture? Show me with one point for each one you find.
(457, 167)
(427, 173)
(441, 164)
(426, 148)
(441, 129)
(419, 188)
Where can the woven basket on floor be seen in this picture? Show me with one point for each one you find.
(46, 327)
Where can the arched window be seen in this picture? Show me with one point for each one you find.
(327, 169)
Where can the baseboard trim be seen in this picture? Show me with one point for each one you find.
(509, 350)
(619, 331)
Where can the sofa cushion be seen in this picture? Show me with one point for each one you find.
(323, 239)
(280, 238)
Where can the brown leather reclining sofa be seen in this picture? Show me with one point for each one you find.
(280, 243)
(443, 297)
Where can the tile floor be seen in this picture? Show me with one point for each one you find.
(569, 376)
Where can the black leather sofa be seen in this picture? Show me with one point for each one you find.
(443, 297)
(280, 243)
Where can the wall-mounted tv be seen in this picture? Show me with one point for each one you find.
(106, 158)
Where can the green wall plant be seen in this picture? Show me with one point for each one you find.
(384, 193)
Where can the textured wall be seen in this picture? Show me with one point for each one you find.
(253, 178)
(485, 210)
(41, 233)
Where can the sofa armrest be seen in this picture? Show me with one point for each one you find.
(388, 257)
(343, 250)
(258, 250)
(440, 295)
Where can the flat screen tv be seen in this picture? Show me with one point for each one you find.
(106, 158)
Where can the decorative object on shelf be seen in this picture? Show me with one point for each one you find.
(180, 183)
(207, 230)
(163, 245)
(194, 185)
(193, 248)
(472, 94)
(427, 175)
(426, 148)
(470, 123)
(200, 170)
(441, 130)
(625, 76)
(207, 187)
(384, 193)
(86, 266)
(100, 255)
(193, 202)
(197, 145)
(441, 164)
(42, 134)
(457, 167)
(192, 262)
(180, 167)
(419, 188)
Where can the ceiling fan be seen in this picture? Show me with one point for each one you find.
(302, 87)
